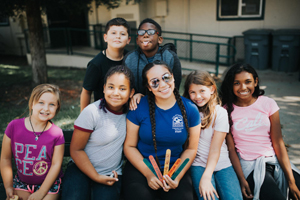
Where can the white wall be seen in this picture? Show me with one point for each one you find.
(199, 16)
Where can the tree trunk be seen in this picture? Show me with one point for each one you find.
(36, 42)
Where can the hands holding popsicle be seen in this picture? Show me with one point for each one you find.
(168, 180)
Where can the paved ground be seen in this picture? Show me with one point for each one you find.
(284, 88)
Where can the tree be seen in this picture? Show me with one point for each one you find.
(34, 9)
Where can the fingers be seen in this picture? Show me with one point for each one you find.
(166, 187)
(172, 183)
(247, 193)
(155, 184)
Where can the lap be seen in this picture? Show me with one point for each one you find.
(135, 186)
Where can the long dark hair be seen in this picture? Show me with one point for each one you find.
(119, 69)
(151, 99)
(226, 92)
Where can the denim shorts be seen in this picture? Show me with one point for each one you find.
(19, 185)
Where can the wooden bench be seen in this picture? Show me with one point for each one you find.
(68, 136)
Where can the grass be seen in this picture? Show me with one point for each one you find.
(15, 90)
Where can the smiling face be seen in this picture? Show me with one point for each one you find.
(165, 88)
(117, 37)
(244, 86)
(200, 94)
(45, 108)
(149, 43)
(117, 91)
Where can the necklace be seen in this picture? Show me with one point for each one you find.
(37, 136)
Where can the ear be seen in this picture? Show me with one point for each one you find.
(160, 39)
(256, 81)
(105, 37)
(131, 93)
(129, 39)
(213, 89)
(104, 88)
(137, 40)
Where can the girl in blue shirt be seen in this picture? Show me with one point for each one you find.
(163, 120)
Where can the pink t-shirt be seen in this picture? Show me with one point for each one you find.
(251, 128)
(33, 158)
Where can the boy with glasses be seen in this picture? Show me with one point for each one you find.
(148, 40)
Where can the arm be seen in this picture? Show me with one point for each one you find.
(136, 158)
(237, 167)
(205, 186)
(281, 153)
(82, 161)
(85, 98)
(189, 152)
(53, 173)
(6, 167)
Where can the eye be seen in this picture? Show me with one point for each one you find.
(202, 91)
(122, 89)
(236, 83)
(110, 87)
(248, 81)
(52, 104)
(40, 102)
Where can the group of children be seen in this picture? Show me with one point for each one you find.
(233, 144)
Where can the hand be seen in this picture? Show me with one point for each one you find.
(10, 192)
(135, 100)
(107, 180)
(294, 191)
(246, 189)
(206, 189)
(169, 183)
(36, 196)
(153, 182)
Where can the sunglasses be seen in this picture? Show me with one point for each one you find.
(167, 78)
(149, 32)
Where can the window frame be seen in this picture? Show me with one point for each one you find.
(239, 16)
(4, 23)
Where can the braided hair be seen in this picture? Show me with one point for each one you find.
(119, 69)
(226, 92)
(151, 100)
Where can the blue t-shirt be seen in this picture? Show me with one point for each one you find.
(170, 129)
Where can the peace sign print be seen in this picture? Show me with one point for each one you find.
(40, 168)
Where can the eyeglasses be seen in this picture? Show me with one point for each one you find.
(167, 78)
(149, 32)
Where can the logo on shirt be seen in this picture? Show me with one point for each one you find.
(40, 168)
(177, 124)
(250, 125)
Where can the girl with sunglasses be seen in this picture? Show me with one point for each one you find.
(163, 120)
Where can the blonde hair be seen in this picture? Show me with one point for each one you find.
(204, 78)
(39, 90)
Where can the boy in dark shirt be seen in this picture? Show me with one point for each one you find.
(117, 36)
(148, 41)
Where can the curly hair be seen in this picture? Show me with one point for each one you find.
(227, 95)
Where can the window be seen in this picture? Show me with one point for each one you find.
(240, 9)
(4, 21)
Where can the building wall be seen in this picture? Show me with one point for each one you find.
(199, 16)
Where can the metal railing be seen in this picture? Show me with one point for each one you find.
(218, 50)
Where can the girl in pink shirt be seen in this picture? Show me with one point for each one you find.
(37, 146)
(259, 158)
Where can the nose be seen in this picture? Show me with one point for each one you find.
(116, 91)
(46, 107)
(146, 35)
(243, 86)
(198, 95)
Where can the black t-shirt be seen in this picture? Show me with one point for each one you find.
(95, 73)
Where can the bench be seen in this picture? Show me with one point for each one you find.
(68, 136)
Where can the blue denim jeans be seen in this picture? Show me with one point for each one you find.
(76, 185)
(224, 181)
